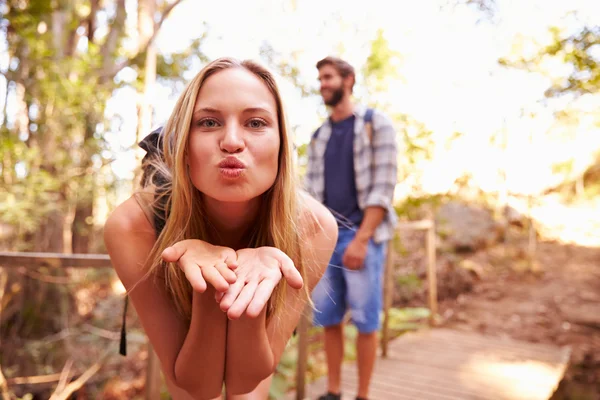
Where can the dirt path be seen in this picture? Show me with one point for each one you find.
(560, 304)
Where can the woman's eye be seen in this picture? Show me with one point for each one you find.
(208, 123)
(257, 124)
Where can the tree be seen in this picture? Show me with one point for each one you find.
(66, 58)
(578, 52)
(62, 72)
(380, 67)
(415, 141)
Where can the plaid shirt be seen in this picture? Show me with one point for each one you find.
(375, 167)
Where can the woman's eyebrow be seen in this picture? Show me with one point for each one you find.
(209, 110)
(212, 110)
(258, 109)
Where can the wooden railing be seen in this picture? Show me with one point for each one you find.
(153, 379)
(56, 260)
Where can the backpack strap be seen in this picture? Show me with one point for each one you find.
(369, 123)
(123, 342)
(315, 134)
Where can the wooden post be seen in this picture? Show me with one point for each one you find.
(153, 378)
(432, 273)
(388, 292)
(302, 364)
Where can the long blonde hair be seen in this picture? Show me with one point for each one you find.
(185, 216)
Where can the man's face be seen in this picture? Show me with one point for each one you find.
(332, 85)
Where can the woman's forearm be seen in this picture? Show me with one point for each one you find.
(249, 358)
(200, 364)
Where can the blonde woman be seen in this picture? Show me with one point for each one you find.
(220, 251)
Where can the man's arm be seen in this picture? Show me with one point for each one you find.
(373, 216)
(310, 173)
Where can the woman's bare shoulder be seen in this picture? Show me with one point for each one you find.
(319, 233)
(128, 237)
(127, 218)
(315, 218)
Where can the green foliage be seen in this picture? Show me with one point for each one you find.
(53, 149)
(381, 64)
(407, 319)
(287, 67)
(411, 208)
(175, 66)
(579, 51)
(415, 140)
(410, 281)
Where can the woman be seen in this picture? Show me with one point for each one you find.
(203, 249)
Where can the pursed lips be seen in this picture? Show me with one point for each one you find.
(231, 167)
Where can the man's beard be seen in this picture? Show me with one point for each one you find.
(336, 96)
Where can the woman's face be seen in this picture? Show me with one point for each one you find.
(233, 146)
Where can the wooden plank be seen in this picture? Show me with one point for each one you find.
(153, 375)
(55, 260)
(416, 225)
(388, 292)
(432, 275)
(450, 365)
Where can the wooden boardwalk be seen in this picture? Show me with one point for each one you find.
(444, 364)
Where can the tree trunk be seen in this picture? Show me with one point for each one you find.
(146, 27)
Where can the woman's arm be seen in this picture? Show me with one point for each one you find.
(253, 347)
(192, 357)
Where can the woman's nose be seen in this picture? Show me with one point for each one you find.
(232, 141)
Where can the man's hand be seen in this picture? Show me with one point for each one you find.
(203, 263)
(258, 273)
(354, 256)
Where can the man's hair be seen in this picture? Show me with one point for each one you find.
(342, 67)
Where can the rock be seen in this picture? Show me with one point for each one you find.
(452, 282)
(474, 268)
(467, 228)
(514, 217)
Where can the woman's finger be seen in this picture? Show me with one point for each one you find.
(175, 252)
(193, 273)
(241, 303)
(290, 272)
(261, 297)
(212, 276)
(227, 273)
(231, 260)
(231, 294)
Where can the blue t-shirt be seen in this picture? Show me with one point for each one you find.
(340, 185)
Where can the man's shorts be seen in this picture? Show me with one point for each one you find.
(360, 290)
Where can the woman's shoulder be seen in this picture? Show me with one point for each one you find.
(129, 217)
(129, 238)
(315, 218)
(319, 232)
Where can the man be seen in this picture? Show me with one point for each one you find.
(352, 169)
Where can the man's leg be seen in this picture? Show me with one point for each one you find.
(334, 351)
(329, 297)
(366, 354)
(365, 300)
